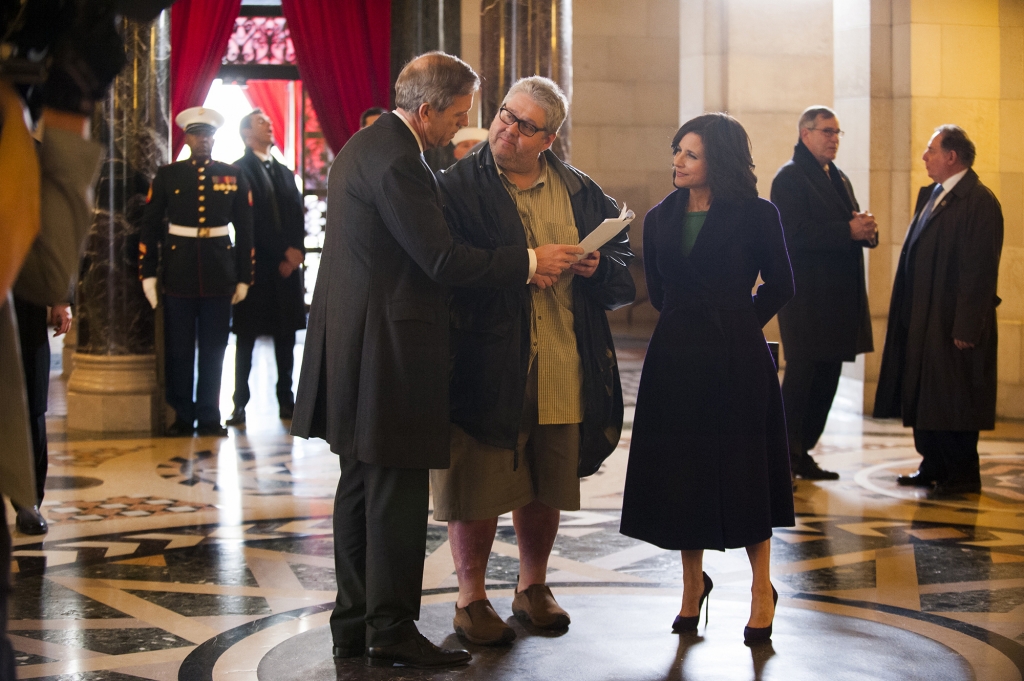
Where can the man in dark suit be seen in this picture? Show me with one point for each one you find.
(274, 306)
(374, 379)
(827, 322)
(939, 363)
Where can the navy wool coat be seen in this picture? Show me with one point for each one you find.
(709, 462)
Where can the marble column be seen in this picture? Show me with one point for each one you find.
(419, 26)
(521, 38)
(113, 383)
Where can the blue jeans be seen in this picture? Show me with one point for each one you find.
(189, 322)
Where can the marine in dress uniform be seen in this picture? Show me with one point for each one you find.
(204, 273)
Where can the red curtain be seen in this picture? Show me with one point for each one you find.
(199, 38)
(344, 55)
(272, 97)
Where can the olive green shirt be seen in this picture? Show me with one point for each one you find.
(547, 218)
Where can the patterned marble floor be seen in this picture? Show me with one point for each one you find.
(208, 558)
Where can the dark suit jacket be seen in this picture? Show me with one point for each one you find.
(491, 327)
(945, 289)
(828, 318)
(374, 379)
(274, 304)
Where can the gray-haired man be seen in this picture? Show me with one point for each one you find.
(374, 380)
(536, 400)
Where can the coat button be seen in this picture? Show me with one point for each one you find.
(202, 219)
(202, 187)
(202, 198)
(202, 208)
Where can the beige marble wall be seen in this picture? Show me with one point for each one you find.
(625, 109)
(1010, 400)
(470, 32)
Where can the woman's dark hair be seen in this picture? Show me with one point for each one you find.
(727, 150)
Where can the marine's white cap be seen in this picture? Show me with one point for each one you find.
(469, 134)
(200, 118)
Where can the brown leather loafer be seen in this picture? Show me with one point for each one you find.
(537, 606)
(478, 623)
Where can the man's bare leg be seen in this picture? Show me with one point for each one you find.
(471, 542)
(536, 526)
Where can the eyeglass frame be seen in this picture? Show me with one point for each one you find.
(517, 121)
(830, 132)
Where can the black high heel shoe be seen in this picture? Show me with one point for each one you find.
(685, 624)
(760, 634)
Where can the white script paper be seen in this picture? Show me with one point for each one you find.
(605, 232)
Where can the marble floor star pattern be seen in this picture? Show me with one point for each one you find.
(211, 558)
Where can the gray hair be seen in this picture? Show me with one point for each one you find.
(548, 96)
(954, 138)
(435, 78)
(810, 116)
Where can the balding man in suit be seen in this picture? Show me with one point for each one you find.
(939, 364)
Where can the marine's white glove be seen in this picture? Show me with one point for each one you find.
(241, 291)
(149, 288)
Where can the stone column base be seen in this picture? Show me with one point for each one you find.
(113, 393)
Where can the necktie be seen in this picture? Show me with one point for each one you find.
(926, 215)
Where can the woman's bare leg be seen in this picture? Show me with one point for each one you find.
(762, 610)
(693, 582)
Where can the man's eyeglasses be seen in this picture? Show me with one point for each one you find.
(830, 132)
(509, 118)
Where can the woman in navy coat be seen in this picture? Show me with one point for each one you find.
(708, 462)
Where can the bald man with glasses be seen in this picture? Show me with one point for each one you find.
(827, 322)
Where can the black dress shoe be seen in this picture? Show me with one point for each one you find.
(237, 418)
(916, 479)
(179, 429)
(807, 468)
(31, 521)
(416, 652)
(286, 411)
(342, 652)
(214, 429)
(952, 488)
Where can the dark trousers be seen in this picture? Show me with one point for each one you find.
(808, 389)
(948, 455)
(33, 332)
(6, 650)
(380, 540)
(188, 322)
(284, 351)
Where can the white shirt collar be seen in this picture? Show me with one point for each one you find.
(951, 182)
(261, 156)
(411, 129)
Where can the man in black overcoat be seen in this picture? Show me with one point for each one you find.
(274, 306)
(827, 322)
(374, 378)
(536, 400)
(939, 364)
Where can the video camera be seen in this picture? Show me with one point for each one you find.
(65, 53)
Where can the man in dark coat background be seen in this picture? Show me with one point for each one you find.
(939, 364)
(827, 322)
(275, 305)
(374, 378)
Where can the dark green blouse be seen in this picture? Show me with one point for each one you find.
(691, 228)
